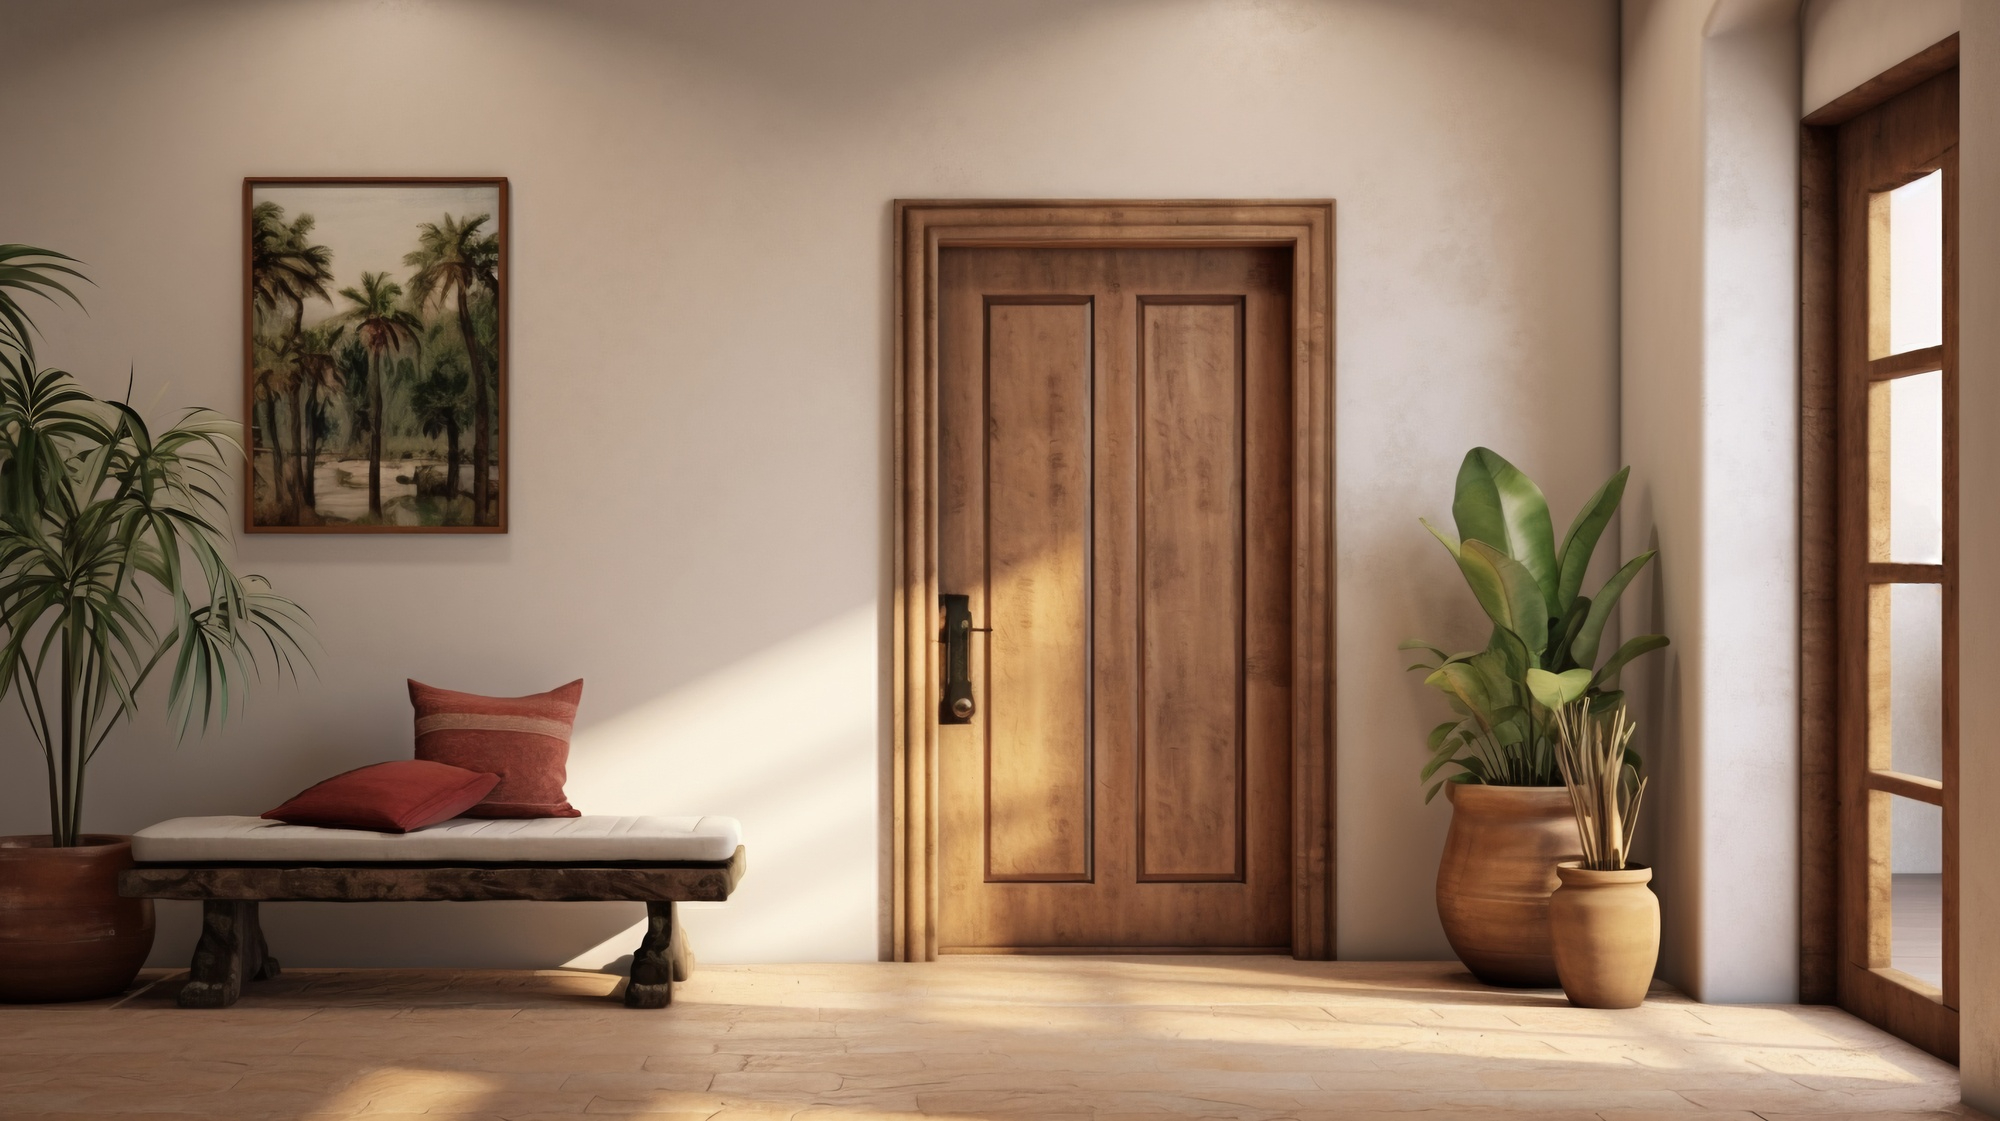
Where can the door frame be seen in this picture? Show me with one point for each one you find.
(1827, 812)
(921, 229)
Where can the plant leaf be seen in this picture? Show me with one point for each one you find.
(1442, 759)
(1558, 657)
(1644, 644)
(1509, 594)
(1447, 540)
(1413, 644)
(1510, 651)
(1581, 541)
(1496, 503)
(1467, 686)
(1554, 690)
(1584, 647)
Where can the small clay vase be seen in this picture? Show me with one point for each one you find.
(1606, 929)
(65, 932)
(1498, 871)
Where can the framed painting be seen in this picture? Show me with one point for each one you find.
(375, 355)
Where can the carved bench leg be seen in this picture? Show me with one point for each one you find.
(656, 965)
(231, 951)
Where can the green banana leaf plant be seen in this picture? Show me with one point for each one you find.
(1543, 652)
(98, 507)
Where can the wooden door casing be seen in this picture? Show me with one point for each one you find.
(1820, 655)
(1897, 141)
(1115, 498)
(921, 229)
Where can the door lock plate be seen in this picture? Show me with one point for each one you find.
(956, 705)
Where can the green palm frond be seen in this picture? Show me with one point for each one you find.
(380, 320)
(286, 268)
(24, 268)
(99, 507)
(452, 255)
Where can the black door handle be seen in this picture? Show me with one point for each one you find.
(956, 706)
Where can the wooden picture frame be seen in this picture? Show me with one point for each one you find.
(920, 229)
(365, 296)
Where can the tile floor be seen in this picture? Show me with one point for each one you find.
(1016, 1038)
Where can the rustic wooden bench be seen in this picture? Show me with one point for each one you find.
(232, 950)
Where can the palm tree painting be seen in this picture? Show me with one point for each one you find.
(375, 357)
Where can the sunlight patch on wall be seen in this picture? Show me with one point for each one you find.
(785, 742)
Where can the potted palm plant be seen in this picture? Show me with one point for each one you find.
(1511, 822)
(96, 509)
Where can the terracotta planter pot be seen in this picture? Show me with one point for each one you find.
(65, 933)
(1498, 872)
(1606, 927)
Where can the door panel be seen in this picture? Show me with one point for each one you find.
(1115, 499)
(1191, 762)
(1038, 580)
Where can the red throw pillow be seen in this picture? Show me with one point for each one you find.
(388, 797)
(524, 740)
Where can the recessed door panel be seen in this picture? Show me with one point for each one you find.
(1191, 759)
(1038, 587)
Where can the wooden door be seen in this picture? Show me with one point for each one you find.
(1897, 568)
(1115, 476)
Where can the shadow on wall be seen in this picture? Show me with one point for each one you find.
(1666, 825)
(785, 740)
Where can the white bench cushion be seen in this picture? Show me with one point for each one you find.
(559, 840)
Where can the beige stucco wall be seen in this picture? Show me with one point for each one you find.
(1979, 556)
(1847, 42)
(701, 362)
(1709, 412)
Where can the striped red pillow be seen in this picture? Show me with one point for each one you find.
(524, 740)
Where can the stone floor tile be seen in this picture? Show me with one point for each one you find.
(767, 1081)
(638, 1082)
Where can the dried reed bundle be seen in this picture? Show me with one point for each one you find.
(1604, 788)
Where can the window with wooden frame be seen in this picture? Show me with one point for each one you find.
(1880, 466)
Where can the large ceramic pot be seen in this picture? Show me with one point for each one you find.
(1498, 872)
(1606, 927)
(65, 933)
